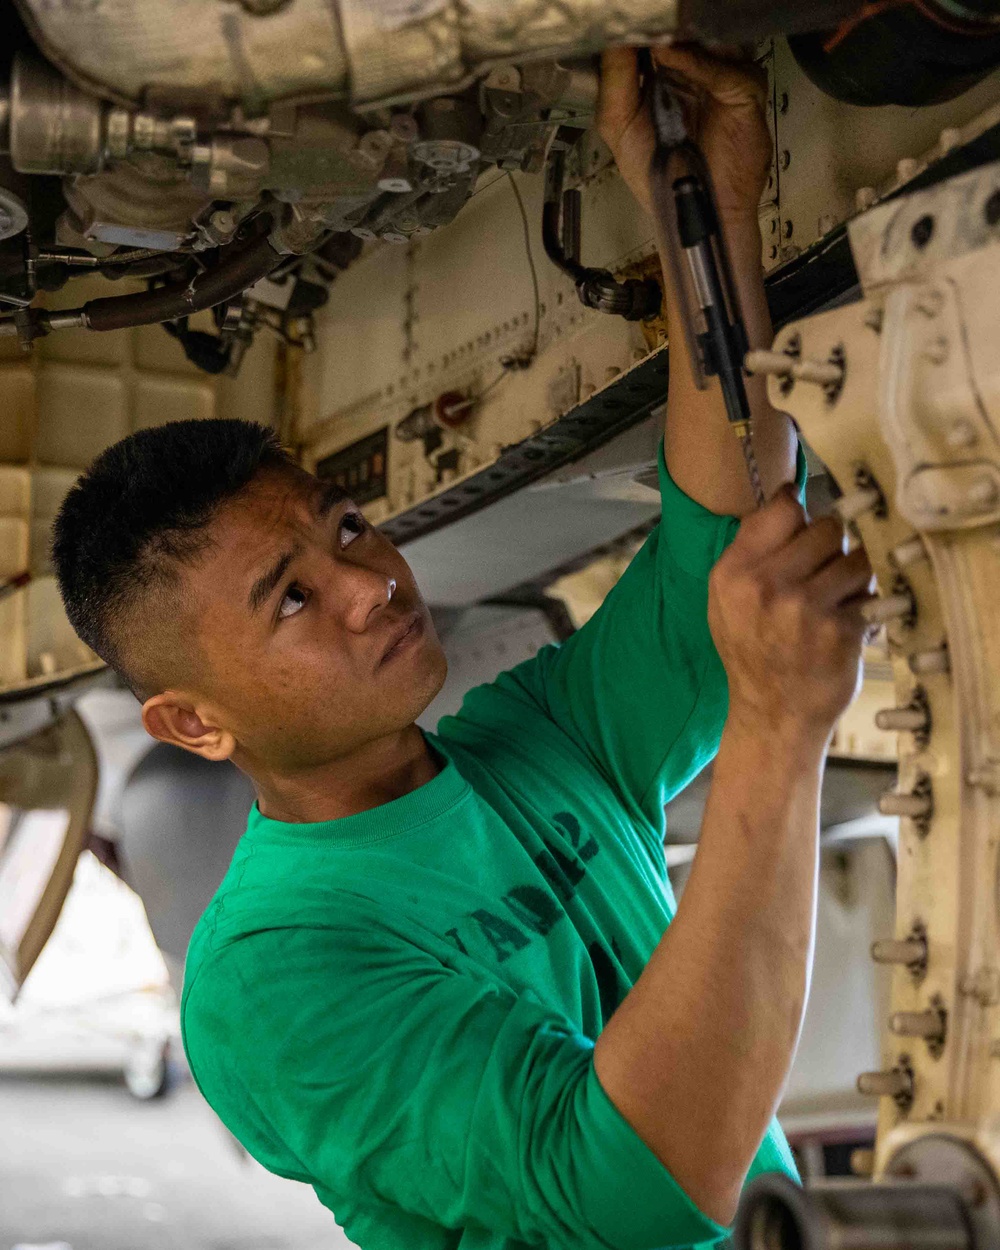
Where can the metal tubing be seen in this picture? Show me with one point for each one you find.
(776, 1214)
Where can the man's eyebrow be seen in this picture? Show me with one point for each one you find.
(330, 495)
(263, 587)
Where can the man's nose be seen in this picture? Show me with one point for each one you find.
(367, 592)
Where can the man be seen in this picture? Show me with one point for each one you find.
(438, 982)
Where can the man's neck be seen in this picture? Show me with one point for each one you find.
(377, 773)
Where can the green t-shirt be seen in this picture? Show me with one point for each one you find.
(399, 1007)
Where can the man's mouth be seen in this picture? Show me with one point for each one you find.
(409, 631)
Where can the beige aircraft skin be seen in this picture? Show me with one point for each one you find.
(904, 410)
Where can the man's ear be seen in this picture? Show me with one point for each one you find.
(171, 717)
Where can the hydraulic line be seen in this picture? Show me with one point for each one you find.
(239, 270)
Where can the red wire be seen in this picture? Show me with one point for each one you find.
(873, 8)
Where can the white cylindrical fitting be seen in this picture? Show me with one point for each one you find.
(891, 608)
(916, 806)
(926, 1024)
(933, 660)
(900, 951)
(909, 552)
(857, 503)
(823, 372)
(902, 719)
(892, 1084)
(779, 363)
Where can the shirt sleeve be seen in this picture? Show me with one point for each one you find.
(640, 687)
(393, 1079)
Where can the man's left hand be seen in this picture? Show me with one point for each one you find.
(725, 108)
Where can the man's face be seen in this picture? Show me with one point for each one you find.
(312, 638)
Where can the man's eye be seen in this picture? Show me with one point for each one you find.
(352, 524)
(292, 603)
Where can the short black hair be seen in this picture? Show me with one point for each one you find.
(139, 511)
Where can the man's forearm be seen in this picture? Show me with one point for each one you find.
(697, 1054)
(702, 452)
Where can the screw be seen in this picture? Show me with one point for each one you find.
(772, 252)
(783, 102)
(788, 229)
(922, 230)
(786, 159)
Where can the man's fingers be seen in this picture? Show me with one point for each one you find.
(729, 82)
(618, 98)
(810, 550)
(771, 527)
(844, 579)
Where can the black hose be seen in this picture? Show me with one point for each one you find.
(635, 299)
(215, 286)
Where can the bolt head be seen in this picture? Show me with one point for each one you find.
(960, 434)
(983, 493)
(936, 350)
(222, 221)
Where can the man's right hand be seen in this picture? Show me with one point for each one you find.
(785, 614)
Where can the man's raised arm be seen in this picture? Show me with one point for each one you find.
(728, 120)
(697, 1054)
